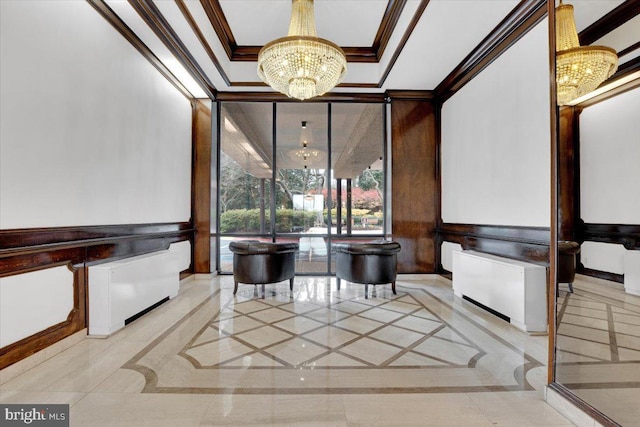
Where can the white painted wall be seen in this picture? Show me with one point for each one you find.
(495, 140)
(603, 256)
(610, 160)
(610, 174)
(91, 133)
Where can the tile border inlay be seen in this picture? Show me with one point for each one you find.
(322, 341)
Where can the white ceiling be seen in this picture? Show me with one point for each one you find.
(425, 46)
(445, 33)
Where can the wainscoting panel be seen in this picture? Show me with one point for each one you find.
(51, 264)
(627, 235)
(34, 301)
(46, 334)
(529, 244)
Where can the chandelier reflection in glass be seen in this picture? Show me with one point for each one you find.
(302, 65)
(306, 154)
(579, 69)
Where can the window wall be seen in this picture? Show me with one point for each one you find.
(308, 173)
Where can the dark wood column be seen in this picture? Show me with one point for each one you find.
(568, 173)
(201, 195)
(414, 184)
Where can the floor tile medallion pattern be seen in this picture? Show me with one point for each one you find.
(317, 339)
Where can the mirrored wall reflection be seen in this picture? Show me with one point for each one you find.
(598, 318)
(326, 180)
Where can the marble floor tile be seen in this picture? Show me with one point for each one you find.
(299, 324)
(263, 336)
(454, 353)
(236, 325)
(398, 336)
(370, 351)
(351, 307)
(418, 324)
(99, 409)
(359, 325)
(587, 312)
(314, 357)
(414, 410)
(300, 307)
(274, 410)
(381, 315)
(296, 351)
(401, 306)
(272, 315)
(327, 315)
(330, 336)
(44, 397)
(571, 319)
(218, 351)
(600, 356)
(586, 333)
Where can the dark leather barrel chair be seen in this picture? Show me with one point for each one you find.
(370, 263)
(258, 262)
(567, 252)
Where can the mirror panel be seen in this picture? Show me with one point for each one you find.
(597, 354)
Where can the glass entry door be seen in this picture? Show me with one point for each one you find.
(310, 173)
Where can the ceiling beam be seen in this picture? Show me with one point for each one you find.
(362, 54)
(150, 13)
(278, 97)
(107, 13)
(405, 38)
(625, 70)
(609, 22)
(202, 39)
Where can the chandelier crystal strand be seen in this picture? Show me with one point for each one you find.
(302, 65)
(579, 70)
(303, 20)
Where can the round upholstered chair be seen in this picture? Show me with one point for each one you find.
(370, 263)
(259, 263)
(567, 253)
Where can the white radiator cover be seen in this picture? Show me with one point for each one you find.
(513, 288)
(632, 272)
(121, 289)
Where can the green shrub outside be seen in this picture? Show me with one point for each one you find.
(248, 220)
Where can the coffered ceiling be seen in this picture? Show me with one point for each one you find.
(211, 46)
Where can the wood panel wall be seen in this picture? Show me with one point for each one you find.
(568, 174)
(415, 189)
(201, 187)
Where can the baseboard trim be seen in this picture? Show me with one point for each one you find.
(574, 409)
(30, 362)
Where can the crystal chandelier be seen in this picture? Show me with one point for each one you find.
(302, 65)
(306, 154)
(579, 69)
